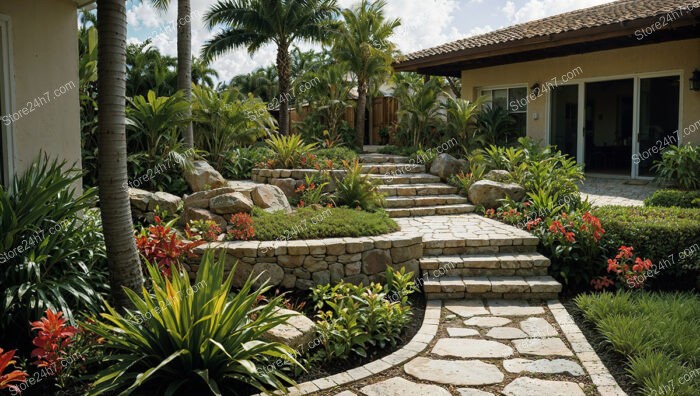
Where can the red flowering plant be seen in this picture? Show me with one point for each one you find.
(312, 192)
(161, 244)
(572, 242)
(11, 380)
(241, 227)
(206, 230)
(629, 269)
(508, 213)
(53, 341)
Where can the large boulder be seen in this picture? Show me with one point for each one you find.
(446, 165)
(498, 175)
(203, 176)
(230, 203)
(489, 193)
(287, 185)
(201, 199)
(270, 198)
(202, 214)
(140, 199)
(297, 331)
(165, 202)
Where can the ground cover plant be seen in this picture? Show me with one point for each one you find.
(655, 335)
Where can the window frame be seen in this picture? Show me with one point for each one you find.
(507, 88)
(7, 101)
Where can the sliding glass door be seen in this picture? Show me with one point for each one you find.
(659, 107)
(564, 119)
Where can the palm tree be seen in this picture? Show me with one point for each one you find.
(254, 23)
(184, 57)
(202, 73)
(364, 45)
(122, 257)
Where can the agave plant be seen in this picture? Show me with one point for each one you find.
(289, 149)
(198, 339)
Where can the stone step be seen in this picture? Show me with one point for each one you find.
(377, 158)
(501, 287)
(430, 210)
(412, 178)
(490, 244)
(423, 201)
(498, 264)
(412, 190)
(393, 169)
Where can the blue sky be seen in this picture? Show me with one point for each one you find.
(425, 23)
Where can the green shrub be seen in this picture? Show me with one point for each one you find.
(356, 189)
(655, 333)
(424, 157)
(288, 150)
(667, 236)
(184, 339)
(351, 318)
(240, 162)
(336, 154)
(669, 197)
(679, 167)
(316, 222)
(52, 252)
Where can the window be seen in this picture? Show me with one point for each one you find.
(6, 127)
(514, 101)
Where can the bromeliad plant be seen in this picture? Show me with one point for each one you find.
(290, 151)
(160, 244)
(356, 190)
(205, 230)
(52, 341)
(12, 379)
(197, 341)
(312, 192)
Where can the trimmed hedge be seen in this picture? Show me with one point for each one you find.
(670, 197)
(665, 235)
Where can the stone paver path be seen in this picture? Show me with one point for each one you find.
(604, 191)
(473, 355)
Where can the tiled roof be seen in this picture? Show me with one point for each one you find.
(616, 12)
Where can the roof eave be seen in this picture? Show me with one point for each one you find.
(84, 3)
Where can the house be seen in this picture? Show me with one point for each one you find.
(611, 85)
(39, 93)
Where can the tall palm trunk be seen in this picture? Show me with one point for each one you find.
(283, 73)
(122, 257)
(184, 63)
(360, 112)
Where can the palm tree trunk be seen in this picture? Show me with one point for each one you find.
(360, 113)
(184, 63)
(122, 257)
(283, 73)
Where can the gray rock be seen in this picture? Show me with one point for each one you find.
(542, 347)
(513, 308)
(472, 392)
(287, 185)
(165, 202)
(270, 198)
(498, 175)
(375, 261)
(526, 386)
(202, 214)
(140, 198)
(466, 308)
(450, 372)
(230, 203)
(321, 277)
(538, 328)
(543, 366)
(446, 165)
(201, 199)
(402, 254)
(471, 348)
(297, 331)
(506, 333)
(487, 321)
(203, 176)
(242, 273)
(337, 271)
(272, 273)
(461, 332)
(489, 193)
(401, 387)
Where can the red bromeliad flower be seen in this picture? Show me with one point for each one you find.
(9, 380)
(161, 245)
(54, 337)
(241, 227)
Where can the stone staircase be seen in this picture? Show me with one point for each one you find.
(471, 257)
(409, 190)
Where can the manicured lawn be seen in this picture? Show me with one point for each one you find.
(321, 222)
(657, 333)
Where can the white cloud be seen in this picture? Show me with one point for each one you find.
(537, 9)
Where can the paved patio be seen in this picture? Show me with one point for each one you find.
(611, 191)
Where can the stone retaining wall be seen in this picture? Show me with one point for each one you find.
(306, 263)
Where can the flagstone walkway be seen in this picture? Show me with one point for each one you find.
(488, 347)
(624, 192)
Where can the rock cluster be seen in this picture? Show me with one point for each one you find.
(144, 204)
(489, 193)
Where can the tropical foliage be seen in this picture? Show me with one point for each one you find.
(356, 189)
(679, 167)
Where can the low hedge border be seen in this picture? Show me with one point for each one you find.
(671, 197)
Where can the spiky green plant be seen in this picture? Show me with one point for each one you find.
(288, 149)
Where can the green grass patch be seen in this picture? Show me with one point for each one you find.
(315, 223)
(656, 332)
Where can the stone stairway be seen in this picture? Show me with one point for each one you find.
(471, 257)
(409, 190)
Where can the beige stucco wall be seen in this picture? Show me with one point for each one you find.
(674, 56)
(45, 58)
